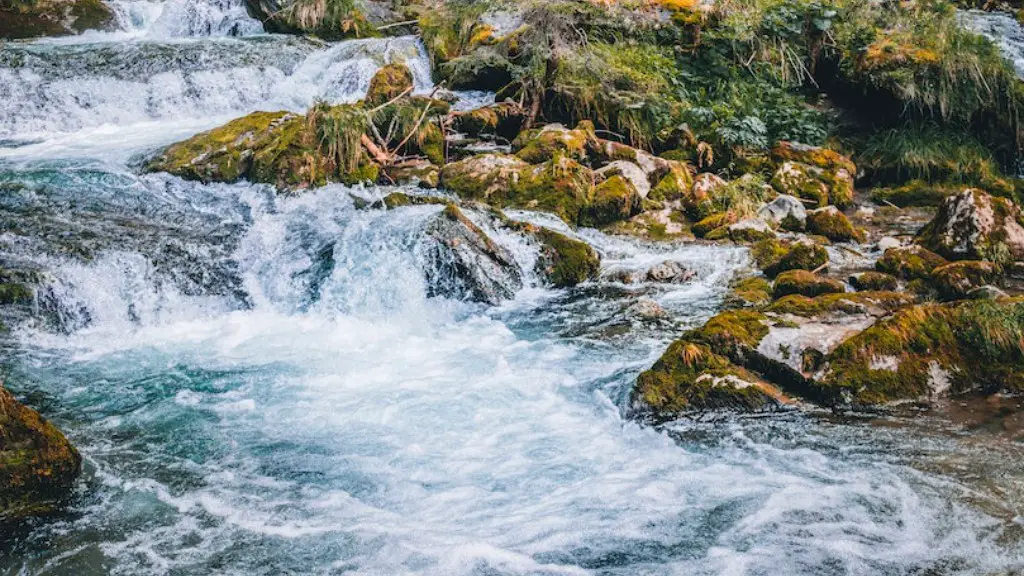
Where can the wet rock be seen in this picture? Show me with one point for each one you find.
(38, 466)
(957, 279)
(647, 309)
(669, 272)
(805, 283)
(873, 281)
(753, 291)
(464, 263)
(887, 242)
(974, 225)
(785, 211)
(832, 224)
(565, 261)
(53, 18)
(909, 262)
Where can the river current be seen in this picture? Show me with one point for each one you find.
(259, 384)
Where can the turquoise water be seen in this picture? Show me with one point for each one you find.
(259, 385)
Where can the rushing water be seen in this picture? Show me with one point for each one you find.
(259, 384)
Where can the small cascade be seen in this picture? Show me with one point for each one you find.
(1001, 28)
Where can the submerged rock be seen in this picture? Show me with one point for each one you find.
(974, 225)
(38, 466)
(669, 272)
(20, 19)
(464, 263)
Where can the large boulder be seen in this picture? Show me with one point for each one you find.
(613, 200)
(819, 174)
(785, 211)
(38, 466)
(464, 263)
(30, 19)
(928, 351)
(832, 224)
(976, 226)
(565, 262)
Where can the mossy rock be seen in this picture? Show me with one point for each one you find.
(909, 262)
(806, 284)
(931, 350)
(388, 83)
(690, 377)
(673, 186)
(819, 174)
(873, 303)
(974, 225)
(873, 281)
(713, 222)
(564, 261)
(422, 173)
(802, 255)
(957, 279)
(750, 230)
(613, 200)
(401, 199)
(914, 193)
(544, 144)
(38, 466)
(753, 291)
(31, 19)
(502, 119)
(700, 202)
(561, 186)
(833, 224)
(802, 181)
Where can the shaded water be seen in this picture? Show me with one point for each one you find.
(259, 384)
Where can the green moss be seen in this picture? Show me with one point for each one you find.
(767, 252)
(833, 224)
(713, 222)
(613, 200)
(875, 302)
(873, 281)
(752, 291)
(805, 283)
(566, 262)
(909, 262)
(978, 344)
(732, 329)
(955, 280)
(690, 377)
(914, 193)
(543, 144)
(798, 256)
(674, 185)
(390, 82)
(38, 466)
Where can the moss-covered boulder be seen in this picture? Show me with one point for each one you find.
(814, 173)
(542, 144)
(562, 186)
(914, 193)
(805, 283)
(909, 262)
(776, 257)
(326, 19)
(691, 378)
(390, 82)
(38, 466)
(974, 225)
(565, 261)
(930, 350)
(713, 222)
(786, 212)
(700, 202)
(613, 200)
(833, 224)
(750, 230)
(674, 185)
(840, 304)
(957, 279)
(503, 119)
(873, 281)
(752, 291)
(34, 18)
